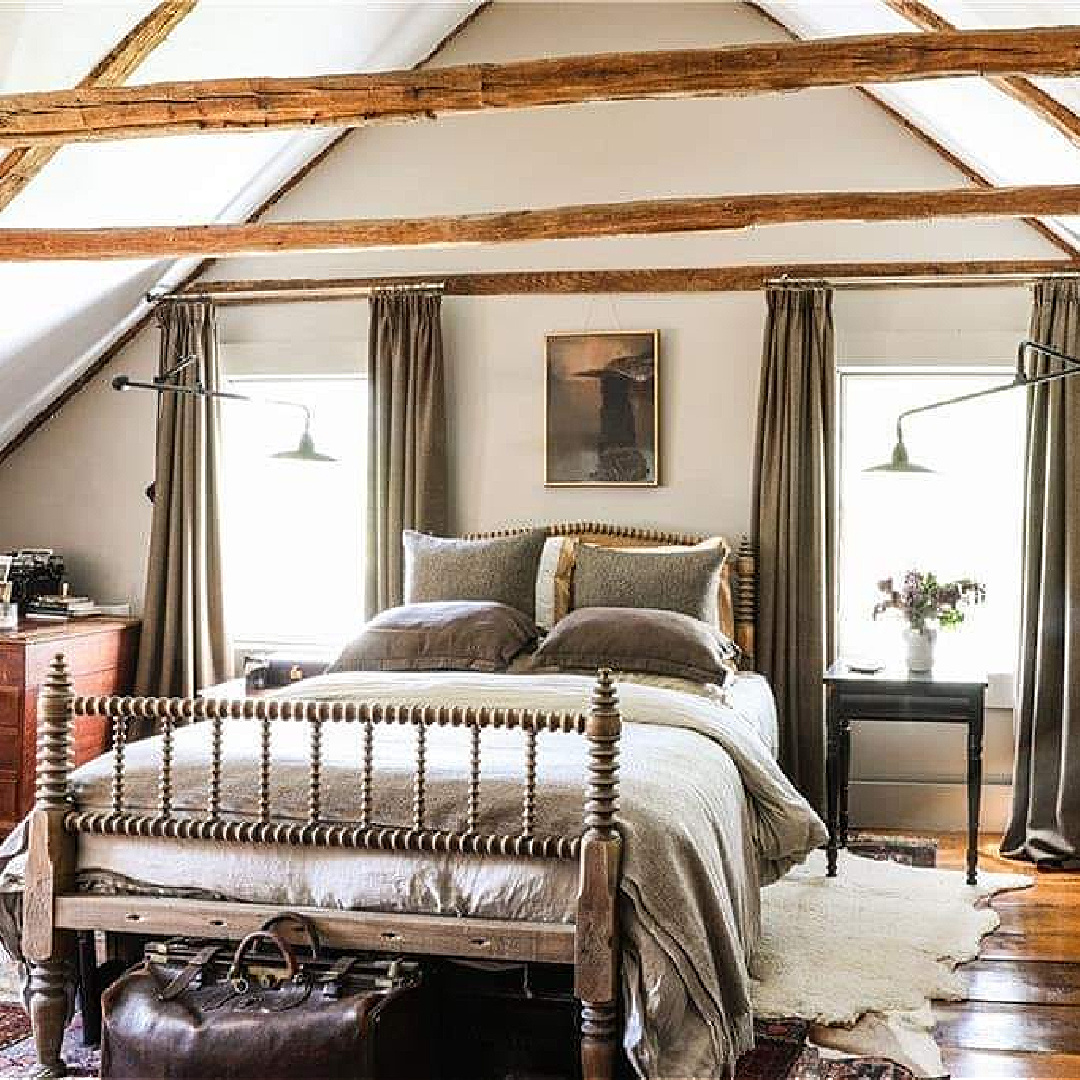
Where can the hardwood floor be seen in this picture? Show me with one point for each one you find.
(1023, 1019)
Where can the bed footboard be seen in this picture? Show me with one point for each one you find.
(54, 910)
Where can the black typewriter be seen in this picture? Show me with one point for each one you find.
(34, 572)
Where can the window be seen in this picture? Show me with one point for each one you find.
(292, 530)
(963, 521)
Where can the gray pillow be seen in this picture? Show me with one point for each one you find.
(683, 581)
(501, 570)
(466, 636)
(637, 639)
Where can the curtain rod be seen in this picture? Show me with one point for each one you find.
(508, 283)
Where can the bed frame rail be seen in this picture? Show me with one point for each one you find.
(53, 910)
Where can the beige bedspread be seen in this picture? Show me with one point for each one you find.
(706, 815)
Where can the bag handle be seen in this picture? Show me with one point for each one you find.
(304, 923)
(235, 973)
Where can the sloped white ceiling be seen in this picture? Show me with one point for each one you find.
(1005, 141)
(57, 316)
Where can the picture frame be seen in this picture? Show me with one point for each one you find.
(602, 409)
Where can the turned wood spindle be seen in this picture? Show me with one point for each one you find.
(165, 779)
(119, 748)
(596, 934)
(472, 811)
(528, 806)
(213, 801)
(49, 873)
(420, 784)
(315, 788)
(366, 773)
(264, 769)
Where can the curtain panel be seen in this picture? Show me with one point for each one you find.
(184, 645)
(408, 473)
(1045, 820)
(794, 511)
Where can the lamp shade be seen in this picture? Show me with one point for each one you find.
(305, 450)
(900, 462)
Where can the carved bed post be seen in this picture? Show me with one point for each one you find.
(596, 940)
(49, 869)
(745, 602)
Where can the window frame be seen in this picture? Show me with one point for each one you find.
(1001, 693)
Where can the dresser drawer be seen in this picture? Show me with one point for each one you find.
(11, 706)
(899, 706)
(84, 655)
(11, 666)
(9, 801)
(10, 749)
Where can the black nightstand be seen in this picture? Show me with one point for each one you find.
(940, 697)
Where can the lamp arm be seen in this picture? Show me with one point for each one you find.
(1020, 379)
(122, 382)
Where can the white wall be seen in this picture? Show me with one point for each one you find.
(77, 484)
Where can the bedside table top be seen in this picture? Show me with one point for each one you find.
(939, 676)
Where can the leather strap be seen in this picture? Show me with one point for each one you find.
(305, 924)
(191, 971)
(291, 965)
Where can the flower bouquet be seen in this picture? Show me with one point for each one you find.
(925, 604)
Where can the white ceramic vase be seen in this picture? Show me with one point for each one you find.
(920, 647)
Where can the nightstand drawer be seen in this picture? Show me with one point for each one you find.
(903, 706)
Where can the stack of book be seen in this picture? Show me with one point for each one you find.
(59, 607)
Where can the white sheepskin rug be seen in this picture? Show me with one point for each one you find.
(862, 954)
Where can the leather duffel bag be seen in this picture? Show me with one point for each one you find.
(197, 1010)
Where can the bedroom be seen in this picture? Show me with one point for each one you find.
(78, 456)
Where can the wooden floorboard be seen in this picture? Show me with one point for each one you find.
(1022, 1019)
(1009, 1065)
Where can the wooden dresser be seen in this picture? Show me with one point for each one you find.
(100, 652)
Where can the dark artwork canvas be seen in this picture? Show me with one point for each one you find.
(601, 420)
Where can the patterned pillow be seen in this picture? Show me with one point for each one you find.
(686, 580)
(501, 570)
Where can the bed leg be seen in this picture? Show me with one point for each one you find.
(48, 1017)
(596, 961)
(49, 869)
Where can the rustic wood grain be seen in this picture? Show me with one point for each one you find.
(23, 163)
(749, 277)
(352, 100)
(434, 935)
(644, 217)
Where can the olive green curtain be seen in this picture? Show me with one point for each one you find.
(407, 462)
(184, 646)
(794, 508)
(1045, 821)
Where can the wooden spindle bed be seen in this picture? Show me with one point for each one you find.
(54, 911)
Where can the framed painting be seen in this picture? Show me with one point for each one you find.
(601, 415)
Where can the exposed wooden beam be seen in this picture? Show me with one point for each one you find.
(352, 100)
(927, 139)
(1045, 106)
(641, 218)
(689, 279)
(23, 163)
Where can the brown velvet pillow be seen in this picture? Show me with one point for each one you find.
(459, 636)
(501, 569)
(637, 639)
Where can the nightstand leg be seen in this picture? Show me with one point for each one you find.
(974, 784)
(845, 776)
(832, 781)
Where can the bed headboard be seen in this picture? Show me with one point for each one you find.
(738, 582)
